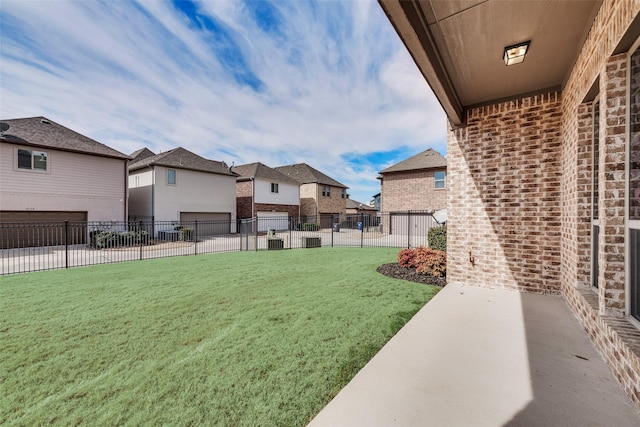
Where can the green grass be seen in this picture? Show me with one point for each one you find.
(251, 338)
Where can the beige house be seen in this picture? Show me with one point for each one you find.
(178, 185)
(51, 173)
(418, 183)
(543, 152)
(320, 195)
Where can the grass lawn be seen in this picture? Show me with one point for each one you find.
(250, 338)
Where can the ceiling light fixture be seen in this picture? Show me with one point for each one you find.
(515, 54)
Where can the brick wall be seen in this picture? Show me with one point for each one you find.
(313, 203)
(412, 190)
(504, 207)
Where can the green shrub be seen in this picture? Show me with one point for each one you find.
(438, 238)
(101, 239)
(310, 226)
(186, 234)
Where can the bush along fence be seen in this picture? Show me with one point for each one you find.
(26, 247)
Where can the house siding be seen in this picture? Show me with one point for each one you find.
(73, 182)
(413, 190)
(194, 192)
(520, 184)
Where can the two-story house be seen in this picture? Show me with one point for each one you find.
(51, 173)
(418, 183)
(264, 193)
(179, 185)
(322, 198)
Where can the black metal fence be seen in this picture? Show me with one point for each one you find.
(26, 247)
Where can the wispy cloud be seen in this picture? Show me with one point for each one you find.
(328, 83)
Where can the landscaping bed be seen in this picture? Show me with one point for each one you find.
(397, 272)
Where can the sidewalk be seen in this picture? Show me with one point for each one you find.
(483, 357)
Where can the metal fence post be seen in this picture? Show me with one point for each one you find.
(408, 229)
(140, 238)
(66, 244)
(361, 229)
(195, 244)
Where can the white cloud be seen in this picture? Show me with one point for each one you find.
(334, 79)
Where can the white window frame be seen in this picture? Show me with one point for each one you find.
(33, 153)
(326, 191)
(442, 180)
(175, 177)
(275, 188)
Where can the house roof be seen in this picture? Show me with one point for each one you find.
(458, 46)
(305, 174)
(140, 154)
(428, 159)
(181, 158)
(261, 171)
(354, 204)
(45, 133)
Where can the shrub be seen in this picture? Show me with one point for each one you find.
(101, 239)
(186, 234)
(310, 226)
(406, 258)
(438, 238)
(427, 261)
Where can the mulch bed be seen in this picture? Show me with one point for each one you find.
(394, 270)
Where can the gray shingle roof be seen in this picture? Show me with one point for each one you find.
(428, 159)
(181, 158)
(305, 174)
(140, 154)
(42, 132)
(262, 171)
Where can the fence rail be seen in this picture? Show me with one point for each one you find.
(27, 247)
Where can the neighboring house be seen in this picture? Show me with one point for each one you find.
(543, 156)
(418, 183)
(263, 192)
(178, 185)
(320, 195)
(51, 173)
(354, 207)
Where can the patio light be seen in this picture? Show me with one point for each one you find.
(515, 54)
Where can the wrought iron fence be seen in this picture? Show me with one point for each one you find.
(26, 247)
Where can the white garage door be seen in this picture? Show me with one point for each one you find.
(209, 223)
(273, 221)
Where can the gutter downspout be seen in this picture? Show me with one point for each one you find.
(253, 197)
(153, 192)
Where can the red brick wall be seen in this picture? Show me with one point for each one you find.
(504, 207)
(412, 190)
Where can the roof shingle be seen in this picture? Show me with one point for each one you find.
(42, 132)
(181, 158)
(305, 174)
(427, 159)
(262, 171)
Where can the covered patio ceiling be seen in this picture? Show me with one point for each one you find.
(458, 46)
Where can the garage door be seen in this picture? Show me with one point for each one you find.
(273, 221)
(209, 223)
(24, 229)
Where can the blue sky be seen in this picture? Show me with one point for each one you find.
(328, 83)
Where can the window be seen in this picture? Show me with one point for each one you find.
(439, 179)
(32, 160)
(633, 168)
(595, 224)
(343, 193)
(326, 191)
(274, 187)
(171, 177)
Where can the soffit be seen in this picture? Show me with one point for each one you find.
(458, 45)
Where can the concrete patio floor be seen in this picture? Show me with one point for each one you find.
(485, 357)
